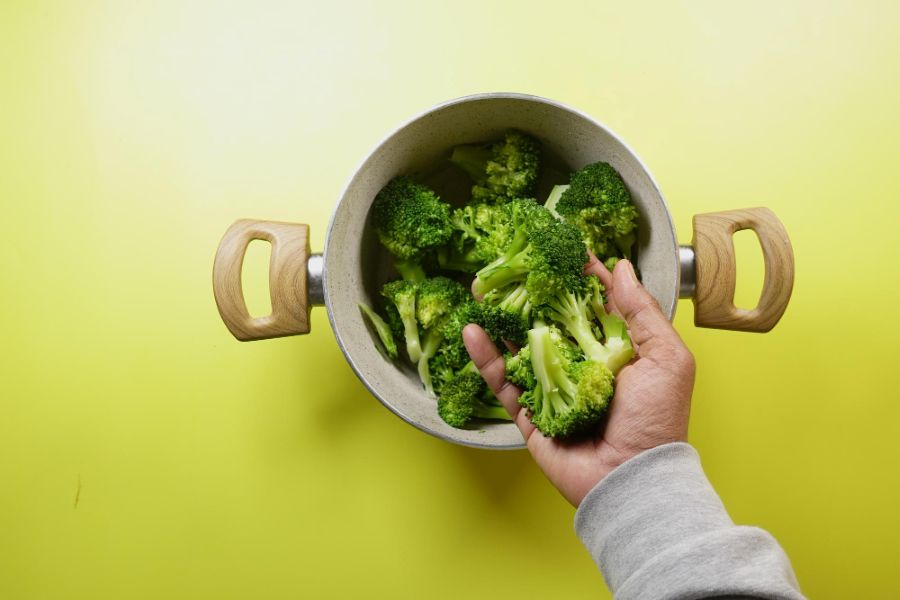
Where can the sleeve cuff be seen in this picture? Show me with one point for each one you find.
(657, 529)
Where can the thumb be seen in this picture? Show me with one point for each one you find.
(641, 312)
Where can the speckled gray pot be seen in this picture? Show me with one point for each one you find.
(355, 265)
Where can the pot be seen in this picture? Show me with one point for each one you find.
(353, 266)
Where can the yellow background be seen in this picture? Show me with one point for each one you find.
(144, 453)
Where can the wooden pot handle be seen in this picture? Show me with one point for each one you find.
(287, 279)
(715, 270)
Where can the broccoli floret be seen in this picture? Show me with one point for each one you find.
(382, 329)
(503, 324)
(410, 221)
(410, 269)
(436, 300)
(610, 263)
(615, 331)
(545, 254)
(599, 204)
(502, 170)
(514, 300)
(452, 356)
(481, 232)
(518, 369)
(576, 313)
(466, 397)
(569, 395)
(402, 295)
(395, 323)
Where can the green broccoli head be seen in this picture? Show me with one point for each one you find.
(437, 297)
(452, 354)
(598, 203)
(500, 325)
(395, 323)
(401, 295)
(570, 394)
(465, 398)
(481, 232)
(512, 299)
(501, 170)
(518, 369)
(410, 219)
(545, 254)
(503, 325)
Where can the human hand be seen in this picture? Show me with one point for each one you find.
(652, 401)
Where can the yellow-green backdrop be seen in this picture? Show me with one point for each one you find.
(144, 453)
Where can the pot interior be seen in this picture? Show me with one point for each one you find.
(356, 265)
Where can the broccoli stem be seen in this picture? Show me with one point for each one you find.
(382, 329)
(489, 411)
(473, 160)
(555, 194)
(453, 260)
(410, 270)
(618, 344)
(512, 266)
(430, 346)
(550, 371)
(516, 301)
(407, 309)
(568, 310)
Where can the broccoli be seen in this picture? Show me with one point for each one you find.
(553, 199)
(528, 261)
(617, 342)
(518, 369)
(610, 263)
(402, 295)
(502, 170)
(436, 298)
(576, 312)
(570, 395)
(435, 301)
(544, 253)
(481, 232)
(452, 355)
(503, 324)
(382, 329)
(466, 397)
(410, 221)
(598, 203)
(514, 300)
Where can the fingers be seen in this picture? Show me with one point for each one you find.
(595, 267)
(645, 320)
(489, 362)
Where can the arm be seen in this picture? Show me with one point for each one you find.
(647, 513)
(657, 529)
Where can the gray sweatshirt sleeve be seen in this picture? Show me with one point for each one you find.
(657, 529)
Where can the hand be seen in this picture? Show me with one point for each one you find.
(652, 400)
